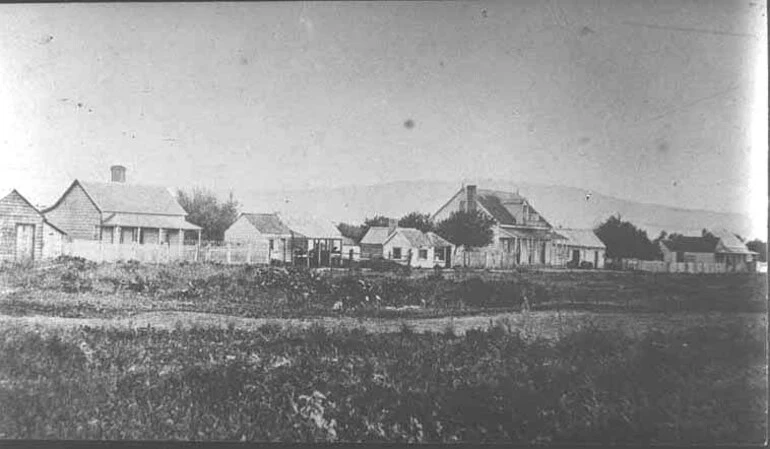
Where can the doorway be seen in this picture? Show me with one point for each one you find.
(25, 242)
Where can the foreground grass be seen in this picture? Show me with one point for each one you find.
(699, 385)
(75, 289)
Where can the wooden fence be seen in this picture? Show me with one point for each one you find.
(656, 266)
(151, 253)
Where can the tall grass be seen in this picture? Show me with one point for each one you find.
(695, 386)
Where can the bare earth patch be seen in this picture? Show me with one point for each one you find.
(548, 324)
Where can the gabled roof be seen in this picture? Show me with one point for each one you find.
(419, 239)
(438, 241)
(310, 226)
(690, 245)
(132, 198)
(730, 243)
(376, 235)
(267, 223)
(128, 198)
(16, 193)
(581, 237)
(347, 241)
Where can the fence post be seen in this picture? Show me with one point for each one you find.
(228, 255)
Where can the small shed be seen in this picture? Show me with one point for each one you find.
(350, 250)
(270, 237)
(25, 234)
(579, 246)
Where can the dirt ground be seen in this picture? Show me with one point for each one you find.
(548, 324)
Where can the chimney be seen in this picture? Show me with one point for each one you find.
(470, 198)
(392, 225)
(118, 173)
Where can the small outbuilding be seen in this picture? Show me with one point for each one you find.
(419, 249)
(578, 248)
(25, 234)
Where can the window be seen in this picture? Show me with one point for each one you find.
(439, 254)
(422, 254)
(271, 244)
(97, 234)
(396, 253)
(462, 206)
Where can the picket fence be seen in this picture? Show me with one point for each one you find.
(656, 266)
(153, 253)
(494, 260)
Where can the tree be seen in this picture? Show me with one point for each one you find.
(417, 220)
(353, 232)
(205, 210)
(760, 247)
(469, 229)
(624, 240)
(377, 220)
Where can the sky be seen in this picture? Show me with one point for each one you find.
(656, 101)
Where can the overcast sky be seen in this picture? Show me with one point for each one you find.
(662, 102)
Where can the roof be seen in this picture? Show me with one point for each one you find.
(419, 239)
(730, 243)
(267, 223)
(376, 235)
(505, 207)
(16, 193)
(347, 241)
(581, 237)
(690, 245)
(310, 226)
(437, 241)
(130, 198)
(149, 221)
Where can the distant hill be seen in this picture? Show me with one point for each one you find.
(561, 206)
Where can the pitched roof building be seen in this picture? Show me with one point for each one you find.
(117, 212)
(518, 229)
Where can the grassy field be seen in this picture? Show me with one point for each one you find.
(191, 352)
(699, 385)
(78, 290)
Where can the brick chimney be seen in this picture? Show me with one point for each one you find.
(392, 225)
(118, 173)
(470, 198)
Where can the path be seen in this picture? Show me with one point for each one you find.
(547, 324)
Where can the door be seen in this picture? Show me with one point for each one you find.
(596, 259)
(448, 257)
(576, 255)
(25, 241)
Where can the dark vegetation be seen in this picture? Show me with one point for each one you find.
(107, 290)
(624, 240)
(207, 211)
(693, 386)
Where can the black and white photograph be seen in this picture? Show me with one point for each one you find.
(534, 222)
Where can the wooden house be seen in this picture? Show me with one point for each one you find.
(121, 213)
(269, 236)
(418, 249)
(25, 234)
(519, 230)
(302, 240)
(578, 247)
(371, 243)
(726, 248)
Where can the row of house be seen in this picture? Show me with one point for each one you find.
(105, 217)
